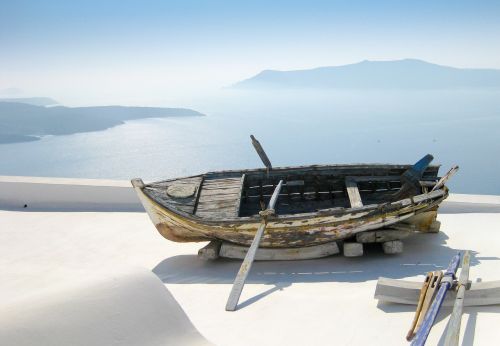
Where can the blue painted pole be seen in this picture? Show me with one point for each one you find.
(430, 317)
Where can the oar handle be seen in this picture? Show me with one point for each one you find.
(430, 317)
(445, 178)
(423, 292)
(274, 197)
(262, 153)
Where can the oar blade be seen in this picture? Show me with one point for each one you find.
(410, 179)
(421, 165)
(242, 275)
(261, 152)
(423, 292)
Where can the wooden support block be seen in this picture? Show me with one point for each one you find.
(392, 247)
(423, 222)
(210, 251)
(407, 292)
(435, 227)
(229, 250)
(382, 236)
(353, 192)
(353, 249)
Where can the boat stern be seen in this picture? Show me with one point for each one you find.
(168, 224)
(137, 183)
(138, 186)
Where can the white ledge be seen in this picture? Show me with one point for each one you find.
(74, 194)
(63, 181)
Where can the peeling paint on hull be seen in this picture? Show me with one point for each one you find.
(292, 231)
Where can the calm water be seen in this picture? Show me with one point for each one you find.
(306, 127)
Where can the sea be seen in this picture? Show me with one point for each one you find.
(295, 127)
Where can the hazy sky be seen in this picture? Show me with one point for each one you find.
(149, 52)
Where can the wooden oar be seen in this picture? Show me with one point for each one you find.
(453, 334)
(430, 316)
(445, 178)
(429, 296)
(262, 153)
(239, 282)
(420, 303)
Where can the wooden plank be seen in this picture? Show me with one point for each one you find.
(393, 247)
(213, 198)
(216, 214)
(382, 235)
(214, 205)
(229, 250)
(186, 209)
(423, 293)
(262, 153)
(387, 179)
(210, 251)
(453, 334)
(340, 170)
(228, 188)
(166, 183)
(223, 179)
(429, 297)
(368, 178)
(240, 195)
(407, 292)
(353, 193)
(229, 191)
(222, 182)
(198, 194)
(353, 249)
(235, 182)
(219, 198)
(158, 192)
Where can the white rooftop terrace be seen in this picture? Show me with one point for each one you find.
(77, 229)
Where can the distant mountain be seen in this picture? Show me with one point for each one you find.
(36, 101)
(24, 122)
(398, 74)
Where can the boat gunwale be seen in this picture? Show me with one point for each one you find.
(235, 172)
(214, 174)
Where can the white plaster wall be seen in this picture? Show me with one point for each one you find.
(59, 194)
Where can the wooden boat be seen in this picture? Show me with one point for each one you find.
(317, 204)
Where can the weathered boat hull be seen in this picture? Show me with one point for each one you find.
(288, 231)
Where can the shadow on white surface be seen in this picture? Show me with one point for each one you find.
(423, 253)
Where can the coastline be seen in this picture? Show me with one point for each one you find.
(35, 122)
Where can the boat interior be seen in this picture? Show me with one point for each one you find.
(230, 194)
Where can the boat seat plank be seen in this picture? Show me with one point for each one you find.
(219, 198)
(353, 193)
